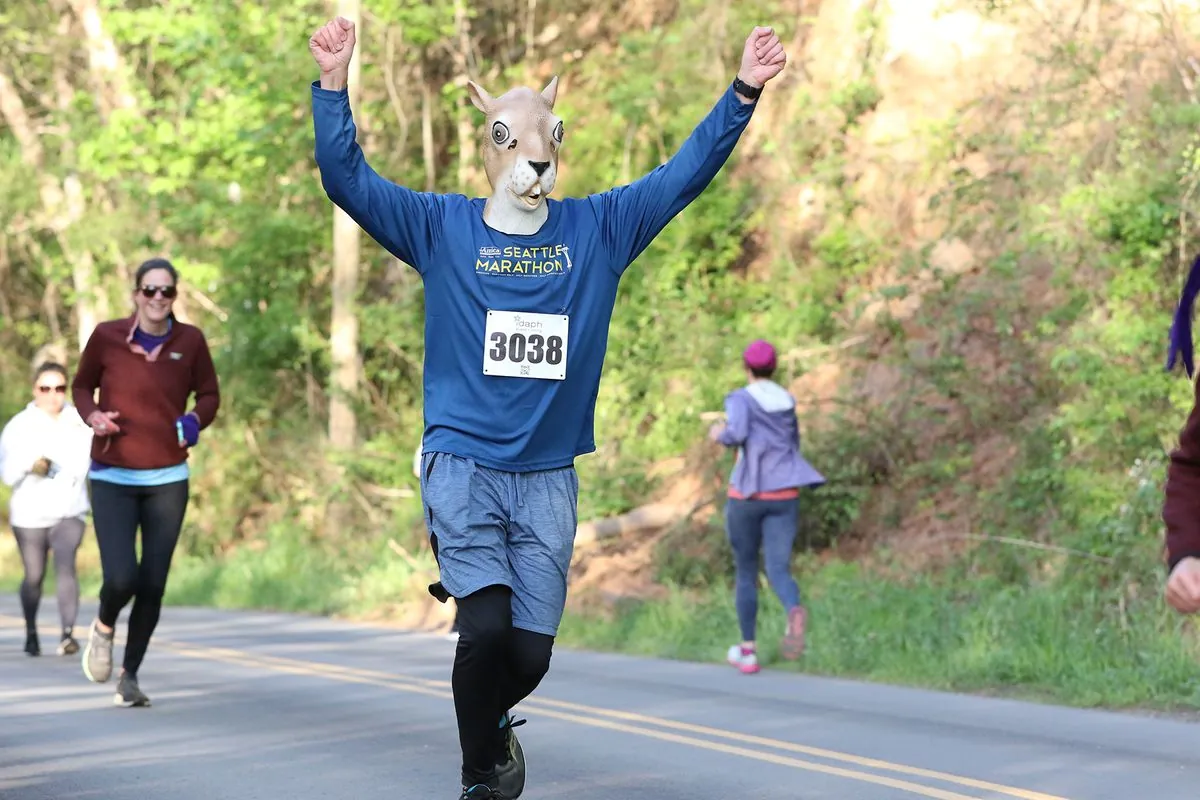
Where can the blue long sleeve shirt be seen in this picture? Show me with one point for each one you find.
(571, 267)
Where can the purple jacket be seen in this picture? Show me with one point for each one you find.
(761, 423)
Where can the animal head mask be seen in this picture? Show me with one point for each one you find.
(521, 139)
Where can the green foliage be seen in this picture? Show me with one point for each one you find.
(1028, 395)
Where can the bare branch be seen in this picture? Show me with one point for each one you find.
(977, 537)
(207, 302)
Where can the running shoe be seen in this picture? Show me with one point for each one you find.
(793, 640)
(129, 694)
(97, 656)
(481, 791)
(68, 646)
(32, 646)
(743, 659)
(510, 769)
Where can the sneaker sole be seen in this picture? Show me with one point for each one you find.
(121, 702)
(745, 670)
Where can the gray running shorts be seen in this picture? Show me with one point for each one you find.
(491, 527)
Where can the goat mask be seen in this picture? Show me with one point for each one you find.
(521, 139)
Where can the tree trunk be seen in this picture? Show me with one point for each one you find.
(83, 274)
(111, 88)
(466, 149)
(62, 206)
(88, 294)
(463, 59)
(343, 328)
(112, 93)
(5, 269)
(428, 154)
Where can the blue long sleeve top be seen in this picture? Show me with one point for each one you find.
(570, 267)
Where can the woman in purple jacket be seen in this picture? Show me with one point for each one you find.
(762, 510)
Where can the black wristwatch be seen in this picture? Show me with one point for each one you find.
(745, 89)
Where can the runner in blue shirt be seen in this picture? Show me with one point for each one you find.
(519, 293)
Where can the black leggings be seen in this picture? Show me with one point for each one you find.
(35, 544)
(118, 511)
(496, 667)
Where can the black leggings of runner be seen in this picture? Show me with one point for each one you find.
(35, 545)
(118, 511)
(496, 667)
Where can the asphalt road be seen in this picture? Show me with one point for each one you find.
(250, 705)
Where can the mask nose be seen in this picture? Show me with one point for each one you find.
(539, 166)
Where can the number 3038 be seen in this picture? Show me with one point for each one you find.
(533, 349)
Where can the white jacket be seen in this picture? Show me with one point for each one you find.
(40, 502)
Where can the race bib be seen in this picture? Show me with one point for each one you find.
(517, 344)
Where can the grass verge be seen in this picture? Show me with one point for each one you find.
(1047, 644)
(986, 637)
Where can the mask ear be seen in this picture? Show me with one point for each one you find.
(551, 91)
(479, 96)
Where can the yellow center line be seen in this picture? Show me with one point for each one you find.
(544, 704)
(591, 715)
(311, 669)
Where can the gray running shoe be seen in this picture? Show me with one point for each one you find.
(97, 656)
(129, 694)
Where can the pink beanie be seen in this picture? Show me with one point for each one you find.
(760, 355)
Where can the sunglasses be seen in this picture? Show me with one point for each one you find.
(48, 389)
(167, 292)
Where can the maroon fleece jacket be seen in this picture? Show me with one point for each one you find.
(149, 391)
(1181, 509)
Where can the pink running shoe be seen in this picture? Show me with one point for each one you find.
(793, 640)
(746, 661)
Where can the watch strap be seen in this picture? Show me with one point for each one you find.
(745, 89)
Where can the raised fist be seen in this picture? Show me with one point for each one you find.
(763, 57)
(332, 45)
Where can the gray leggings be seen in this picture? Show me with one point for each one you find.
(64, 539)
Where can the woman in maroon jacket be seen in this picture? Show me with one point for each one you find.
(146, 368)
(1181, 509)
(1181, 512)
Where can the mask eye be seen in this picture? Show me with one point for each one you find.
(558, 132)
(499, 132)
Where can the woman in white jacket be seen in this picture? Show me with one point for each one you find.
(45, 451)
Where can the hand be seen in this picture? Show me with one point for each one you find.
(190, 425)
(1183, 586)
(332, 46)
(714, 433)
(41, 467)
(102, 423)
(763, 57)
